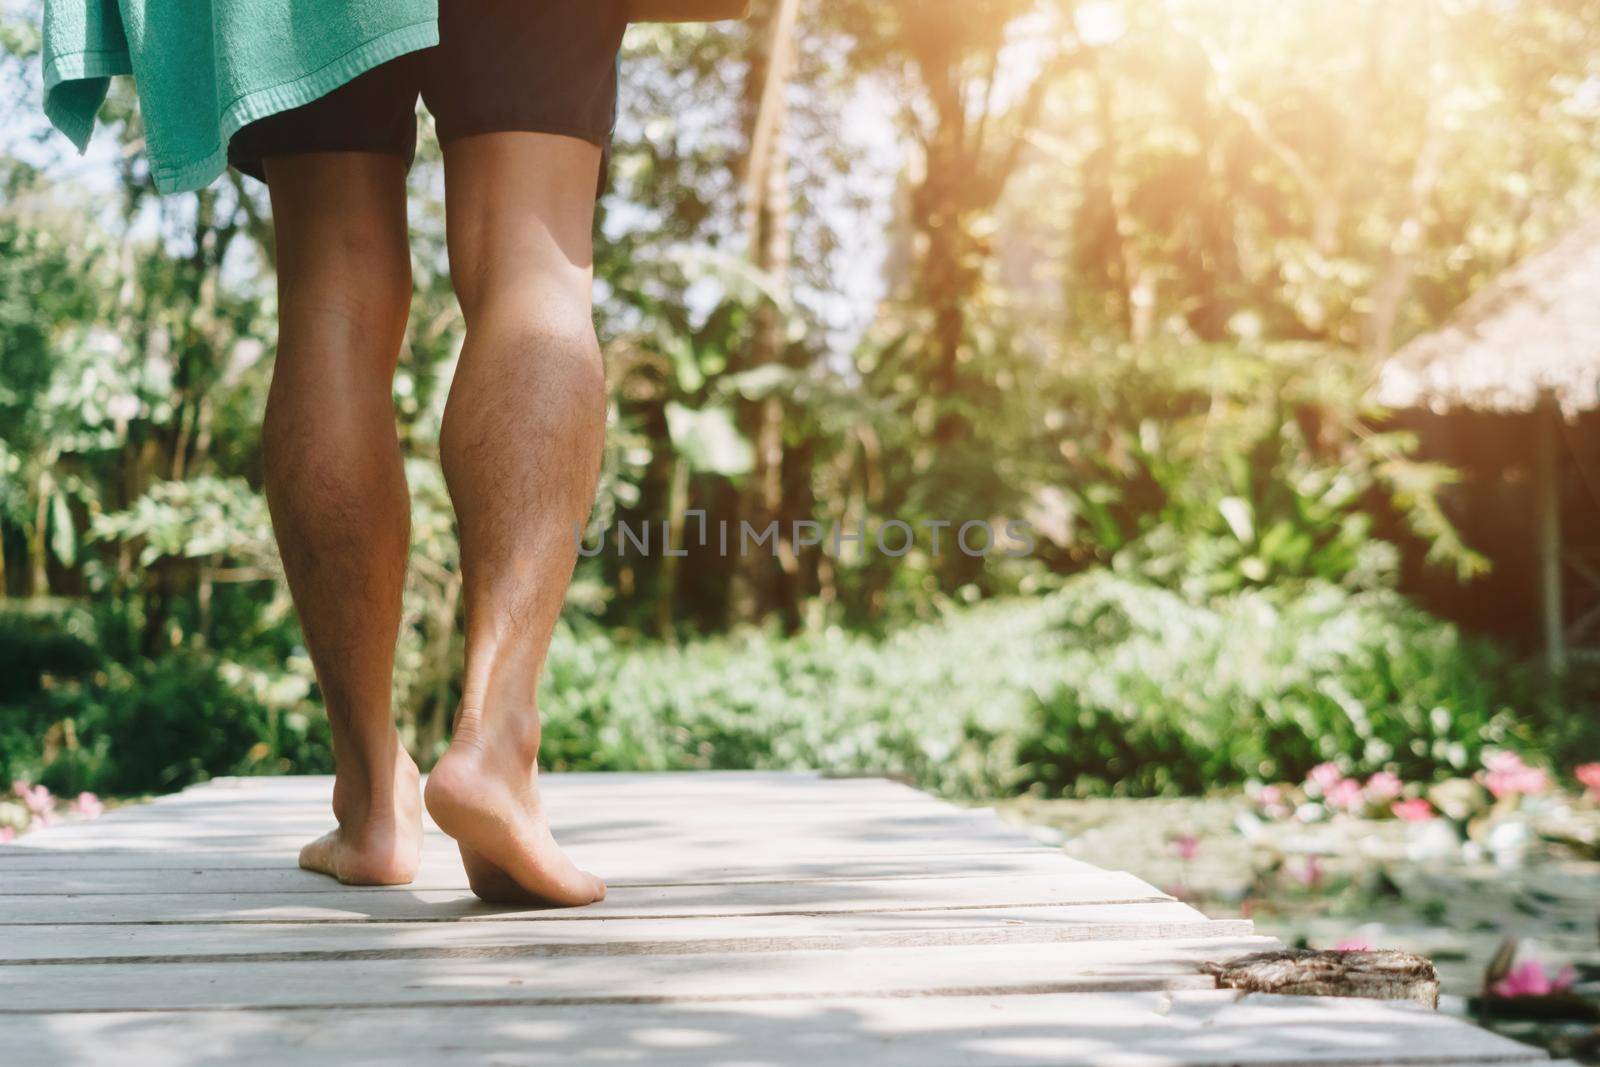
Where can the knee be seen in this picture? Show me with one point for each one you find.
(534, 324)
(533, 355)
(355, 298)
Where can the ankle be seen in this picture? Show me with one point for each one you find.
(371, 781)
(366, 755)
(513, 732)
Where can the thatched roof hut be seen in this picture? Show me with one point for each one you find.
(1528, 337)
(1527, 343)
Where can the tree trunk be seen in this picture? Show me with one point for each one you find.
(1548, 486)
(768, 238)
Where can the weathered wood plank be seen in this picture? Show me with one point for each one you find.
(963, 970)
(697, 862)
(908, 820)
(652, 867)
(1182, 1029)
(744, 933)
(744, 898)
(615, 797)
(752, 787)
(741, 783)
(964, 830)
(260, 813)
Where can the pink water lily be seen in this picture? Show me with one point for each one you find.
(1384, 786)
(7, 833)
(1185, 846)
(1529, 979)
(1414, 810)
(1505, 774)
(1324, 776)
(36, 797)
(1353, 944)
(1588, 775)
(1345, 795)
(88, 805)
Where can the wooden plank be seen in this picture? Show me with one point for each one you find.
(747, 787)
(744, 933)
(230, 828)
(963, 970)
(700, 862)
(1175, 1029)
(742, 783)
(952, 830)
(918, 823)
(347, 904)
(612, 802)
(629, 869)
(625, 792)
(268, 813)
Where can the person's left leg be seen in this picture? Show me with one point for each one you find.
(335, 482)
(336, 485)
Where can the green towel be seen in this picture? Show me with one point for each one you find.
(204, 68)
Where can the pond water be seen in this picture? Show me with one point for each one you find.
(1432, 888)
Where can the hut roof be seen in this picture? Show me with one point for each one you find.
(1534, 330)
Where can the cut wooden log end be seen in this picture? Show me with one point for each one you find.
(1378, 975)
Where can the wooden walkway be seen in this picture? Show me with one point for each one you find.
(753, 919)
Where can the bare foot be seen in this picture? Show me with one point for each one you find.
(379, 837)
(486, 796)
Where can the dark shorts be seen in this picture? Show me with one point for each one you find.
(542, 66)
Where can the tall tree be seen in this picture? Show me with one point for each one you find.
(766, 214)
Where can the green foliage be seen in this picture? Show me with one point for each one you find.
(166, 723)
(1211, 469)
(1560, 712)
(940, 702)
(194, 519)
(1106, 685)
(74, 720)
(50, 640)
(1167, 697)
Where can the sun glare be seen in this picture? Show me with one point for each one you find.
(1099, 24)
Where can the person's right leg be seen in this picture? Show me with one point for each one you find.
(336, 486)
(521, 443)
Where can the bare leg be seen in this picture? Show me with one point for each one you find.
(523, 432)
(336, 486)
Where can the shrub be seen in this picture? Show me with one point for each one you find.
(941, 703)
(74, 722)
(1163, 696)
(1107, 685)
(185, 717)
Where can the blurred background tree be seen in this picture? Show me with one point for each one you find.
(1120, 269)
